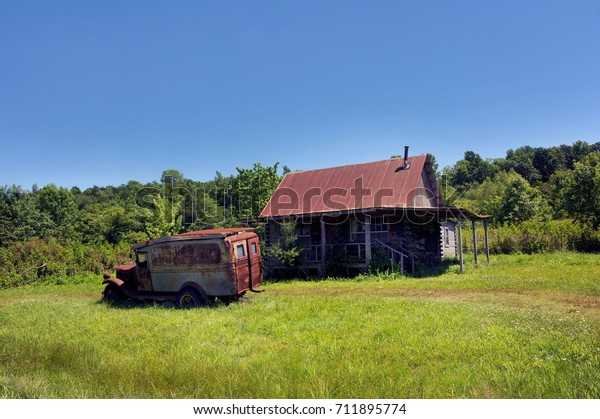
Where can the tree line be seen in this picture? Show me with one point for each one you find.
(529, 184)
(53, 232)
(134, 211)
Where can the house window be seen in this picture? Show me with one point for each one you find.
(447, 237)
(303, 230)
(377, 225)
(379, 229)
(357, 232)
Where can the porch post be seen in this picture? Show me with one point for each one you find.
(323, 245)
(368, 239)
(460, 249)
(474, 241)
(487, 243)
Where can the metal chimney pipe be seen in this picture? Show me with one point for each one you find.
(405, 164)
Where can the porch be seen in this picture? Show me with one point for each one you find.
(355, 255)
(403, 238)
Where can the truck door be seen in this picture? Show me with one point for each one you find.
(144, 281)
(242, 266)
(254, 262)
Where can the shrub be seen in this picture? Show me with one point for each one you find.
(536, 237)
(39, 261)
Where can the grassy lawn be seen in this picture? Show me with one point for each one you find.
(523, 327)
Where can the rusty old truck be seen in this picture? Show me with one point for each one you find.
(192, 269)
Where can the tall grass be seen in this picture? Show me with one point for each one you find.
(535, 237)
(505, 330)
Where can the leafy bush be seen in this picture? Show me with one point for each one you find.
(286, 252)
(39, 261)
(380, 261)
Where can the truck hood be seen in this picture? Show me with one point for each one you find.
(126, 272)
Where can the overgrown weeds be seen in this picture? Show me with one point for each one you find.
(521, 327)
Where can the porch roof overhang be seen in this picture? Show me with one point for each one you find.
(441, 213)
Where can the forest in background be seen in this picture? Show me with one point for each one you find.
(540, 199)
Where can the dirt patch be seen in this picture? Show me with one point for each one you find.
(574, 304)
(586, 305)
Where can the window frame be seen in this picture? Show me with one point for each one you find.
(241, 246)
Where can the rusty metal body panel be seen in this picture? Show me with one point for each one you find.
(204, 262)
(222, 262)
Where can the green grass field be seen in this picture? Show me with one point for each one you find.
(523, 327)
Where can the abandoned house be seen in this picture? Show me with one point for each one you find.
(358, 212)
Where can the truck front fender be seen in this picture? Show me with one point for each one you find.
(115, 281)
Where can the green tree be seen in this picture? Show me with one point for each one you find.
(582, 191)
(252, 189)
(575, 152)
(112, 223)
(470, 171)
(519, 202)
(548, 161)
(508, 198)
(171, 177)
(481, 198)
(521, 161)
(59, 205)
(208, 214)
(434, 165)
(9, 198)
(286, 249)
(555, 190)
(162, 215)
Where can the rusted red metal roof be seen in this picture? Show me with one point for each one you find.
(217, 231)
(380, 184)
(198, 234)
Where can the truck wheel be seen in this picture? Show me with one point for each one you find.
(113, 294)
(190, 298)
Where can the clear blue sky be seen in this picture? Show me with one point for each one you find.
(102, 92)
